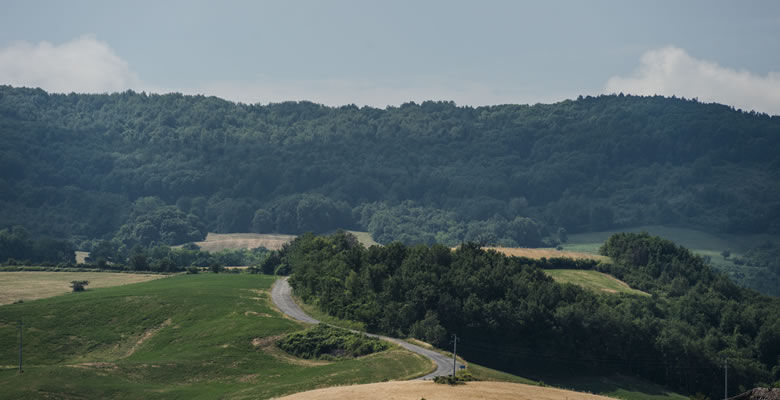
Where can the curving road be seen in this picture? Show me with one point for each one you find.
(281, 295)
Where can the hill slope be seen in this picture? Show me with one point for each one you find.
(509, 314)
(192, 336)
(85, 166)
(429, 390)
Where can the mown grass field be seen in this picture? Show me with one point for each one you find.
(187, 336)
(271, 241)
(593, 280)
(538, 253)
(234, 241)
(29, 285)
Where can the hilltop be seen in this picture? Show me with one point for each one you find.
(76, 165)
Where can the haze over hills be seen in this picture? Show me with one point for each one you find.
(166, 169)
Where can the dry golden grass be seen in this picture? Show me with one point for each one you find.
(415, 390)
(365, 238)
(81, 256)
(221, 241)
(271, 241)
(31, 285)
(545, 253)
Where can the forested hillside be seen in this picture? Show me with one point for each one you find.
(510, 314)
(148, 169)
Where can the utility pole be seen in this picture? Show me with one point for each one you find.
(454, 352)
(20, 346)
(726, 379)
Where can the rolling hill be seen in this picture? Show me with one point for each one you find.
(188, 336)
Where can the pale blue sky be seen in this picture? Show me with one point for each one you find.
(387, 52)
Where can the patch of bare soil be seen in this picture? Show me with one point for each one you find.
(268, 346)
(415, 390)
(95, 365)
(146, 336)
(248, 313)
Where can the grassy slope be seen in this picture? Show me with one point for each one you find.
(538, 253)
(200, 330)
(592, 280)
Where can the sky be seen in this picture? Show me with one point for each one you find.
(381, 53)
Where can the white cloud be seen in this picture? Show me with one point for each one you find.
(84, 65)
(671, 71)
(88, 65)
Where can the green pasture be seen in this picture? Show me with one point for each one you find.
(188, 336)
(592, 280)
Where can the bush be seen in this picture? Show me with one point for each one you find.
(330, 343)
(448, 380)
(79, 286)
(461, 377)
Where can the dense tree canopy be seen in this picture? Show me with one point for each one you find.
(510, 314)
(165, 169)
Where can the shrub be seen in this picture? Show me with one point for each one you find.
(79, 286)
(448, 380)
(329, 343)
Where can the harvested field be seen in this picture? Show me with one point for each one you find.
(365, 238)
(271, 241)
(415, 390)
(222, 241)
(31, 285)
(81, 257)
(546, 253)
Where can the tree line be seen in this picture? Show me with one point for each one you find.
(511, 315)
(153, 169)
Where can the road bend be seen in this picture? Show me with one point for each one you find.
(281, 295)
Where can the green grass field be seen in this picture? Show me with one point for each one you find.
(188, 336)
(593, 280)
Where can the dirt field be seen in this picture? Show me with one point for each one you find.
(415, 390)
(546, 253)
(29, 285)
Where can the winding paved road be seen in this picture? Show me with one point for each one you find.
(281, 295)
